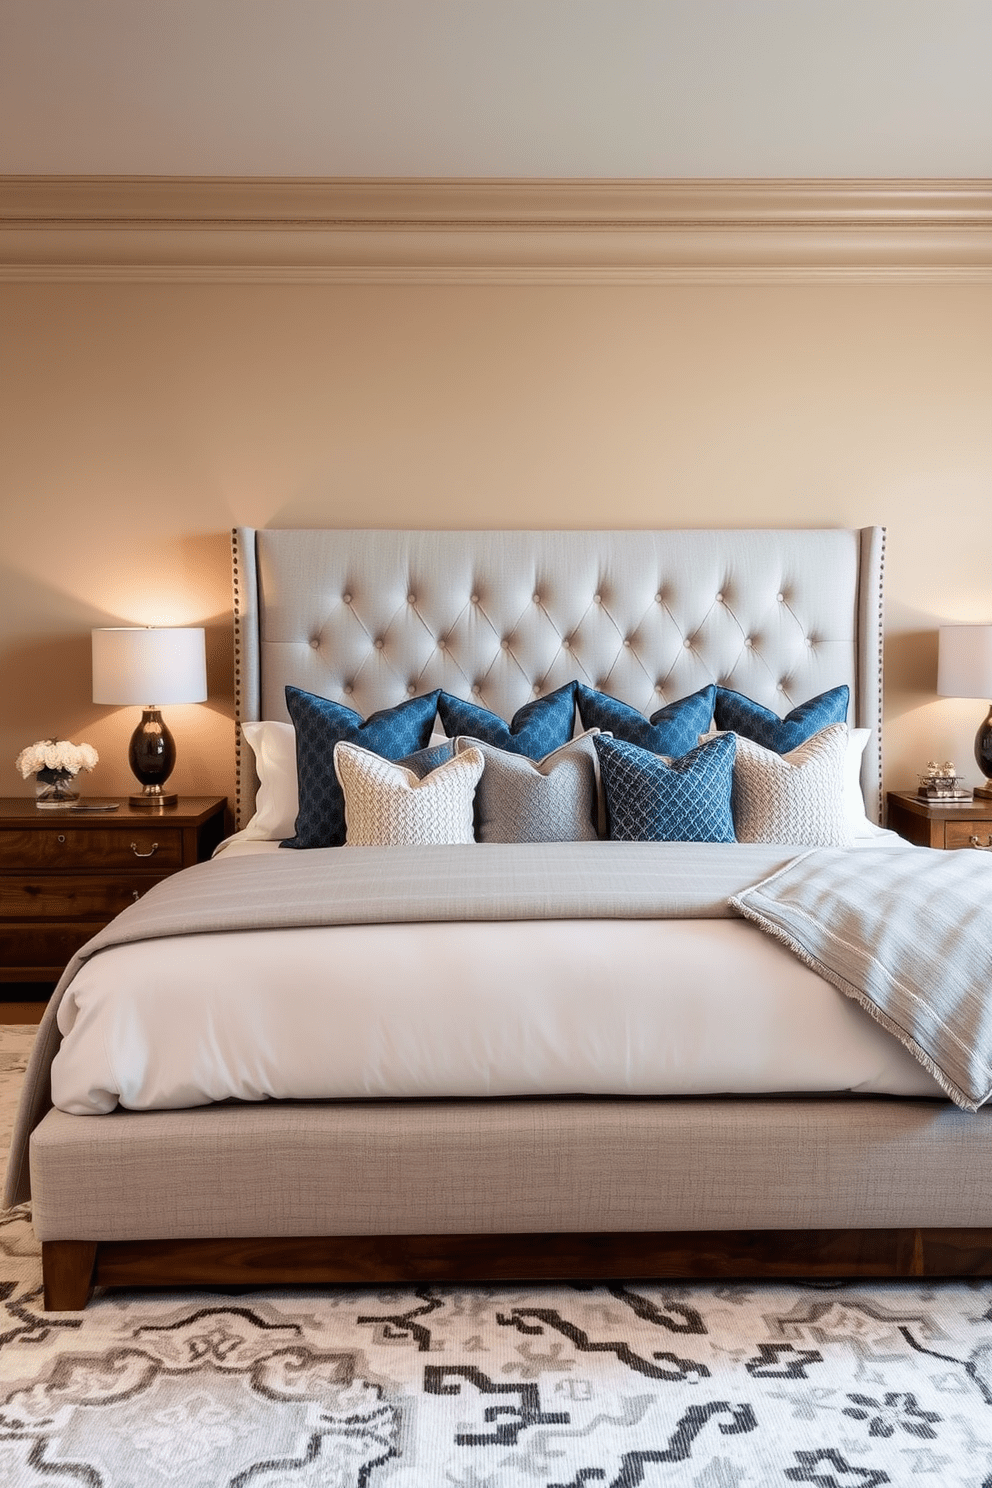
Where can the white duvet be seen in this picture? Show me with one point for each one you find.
(598, 1007)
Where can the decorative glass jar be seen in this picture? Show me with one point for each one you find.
(55, 790)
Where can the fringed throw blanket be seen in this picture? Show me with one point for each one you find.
(908, 936)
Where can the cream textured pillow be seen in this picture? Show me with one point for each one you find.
(796, 797)
(387, 805)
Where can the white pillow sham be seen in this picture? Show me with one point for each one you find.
(277, 802)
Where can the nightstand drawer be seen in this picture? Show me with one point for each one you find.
(153, 846)
(80, 897)
(960, 833)
(26, 947)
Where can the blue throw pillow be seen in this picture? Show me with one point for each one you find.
(742, 716)
(535, 730)
(320, 724)
(649, 799)
(673, 730)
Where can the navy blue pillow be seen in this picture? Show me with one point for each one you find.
(320, 724)
(673, 730)
(742, 716)
(535, 730)
(650, 800)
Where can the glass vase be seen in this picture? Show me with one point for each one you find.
(55, 790)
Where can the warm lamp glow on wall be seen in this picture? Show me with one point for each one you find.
(964, 669)
(132, 665)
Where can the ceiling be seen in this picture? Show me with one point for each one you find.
(499, 88)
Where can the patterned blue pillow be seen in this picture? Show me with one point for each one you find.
(673, 730)
(320, 724)
(649, 799)
(535, 730)
(742, 716)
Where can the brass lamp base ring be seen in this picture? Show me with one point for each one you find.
(153, 799)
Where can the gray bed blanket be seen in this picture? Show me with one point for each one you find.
(372, 885)
(908, 936)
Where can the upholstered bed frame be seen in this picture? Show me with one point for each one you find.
(369, 618)
(500, 1189)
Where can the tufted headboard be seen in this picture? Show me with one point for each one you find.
(369, 618)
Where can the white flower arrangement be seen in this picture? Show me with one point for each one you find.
(57, 755)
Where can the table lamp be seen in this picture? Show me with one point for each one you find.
(134, 663)
(964, 669)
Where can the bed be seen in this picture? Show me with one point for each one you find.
(544, 1173)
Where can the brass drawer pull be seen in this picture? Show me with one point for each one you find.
(62, 837)
(981, 846)
(137, 854)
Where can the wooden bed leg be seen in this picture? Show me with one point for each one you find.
(67, 1269)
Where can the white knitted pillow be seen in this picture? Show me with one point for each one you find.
(387, 805)
(795, 797)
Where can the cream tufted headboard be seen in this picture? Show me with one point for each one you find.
(369, 618)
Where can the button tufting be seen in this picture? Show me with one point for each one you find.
(347, 689)
(537, 599)
(411, 689)
(566, 644)
(627, 643)
(476, 689)
(505, 645)
(537, 689)
(687, 645)
(442, 644)
(475, 599)
(315, 644)
(719, 598)
(378, 645)
(748, 642)
(346, 599)
(597, 599)
(411, 599)
(659, 598)
(780, 598)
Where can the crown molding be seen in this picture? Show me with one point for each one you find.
(206, 229)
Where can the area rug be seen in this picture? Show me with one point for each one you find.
(731, 1386)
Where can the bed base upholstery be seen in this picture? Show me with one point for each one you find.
(511, 1190)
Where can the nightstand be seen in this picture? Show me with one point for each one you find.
(65, 874)
(929, 824)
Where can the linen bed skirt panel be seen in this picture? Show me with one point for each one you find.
(511, 1166)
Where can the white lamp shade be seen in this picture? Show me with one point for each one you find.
(133, 664)
(964, 661)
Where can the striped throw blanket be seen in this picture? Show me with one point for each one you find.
(908, 936)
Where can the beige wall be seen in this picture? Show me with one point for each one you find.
(140, 422)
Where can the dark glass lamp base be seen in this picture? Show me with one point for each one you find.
(983, 755)
(152, 755)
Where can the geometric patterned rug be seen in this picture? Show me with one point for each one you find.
(713, 1386)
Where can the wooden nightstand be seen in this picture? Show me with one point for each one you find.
(929, 824)
(65, 874)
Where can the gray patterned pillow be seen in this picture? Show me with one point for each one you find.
(550, 800)
(795, 797)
